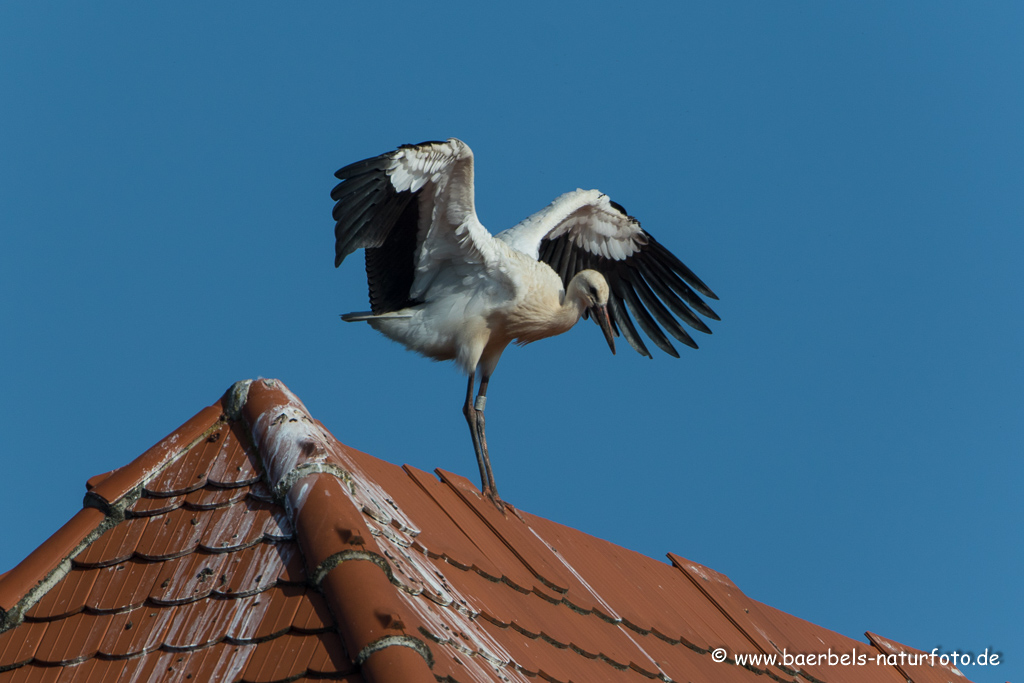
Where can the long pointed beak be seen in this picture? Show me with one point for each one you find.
(600, 314)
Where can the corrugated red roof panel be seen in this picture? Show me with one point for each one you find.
(250, 545)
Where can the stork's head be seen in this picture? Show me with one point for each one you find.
(591, 290)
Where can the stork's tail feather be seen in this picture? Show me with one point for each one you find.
(368, 315)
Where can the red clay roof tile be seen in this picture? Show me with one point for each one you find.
(32, 674)
(245, 523)
(236, 464)
(188, 578)
(914, 664)
(113, 547)
(444, 536)
(252, 569)
(188, 474)
(645, 593)
(72, 639)
(92, 671)
(122, 586)
(19, 646)
(172, 534)
(211, 498)
(506, 566)
(283, 658)
(135, 632)
(192, 564)
(66, 598)
(525, 544)
(147, 506)
(791, 634)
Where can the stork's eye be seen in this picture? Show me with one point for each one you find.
(593, 290)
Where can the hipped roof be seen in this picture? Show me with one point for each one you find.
(250, 544)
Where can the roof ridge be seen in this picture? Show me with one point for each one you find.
(305, 471)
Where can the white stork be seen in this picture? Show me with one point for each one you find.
(443, 286)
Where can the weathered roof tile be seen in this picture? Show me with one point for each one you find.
(136, 631)
(66, 598)
(19, 646)
(187, 474)
(509, 528)
(113, 547)
(122, 586)
(188, 578)
(286, 657)
(235, 464)
(244, 523)
(72, 639)
(21, 583)
(252, 569)
(147, 506)
(211, 498)
(172, 534)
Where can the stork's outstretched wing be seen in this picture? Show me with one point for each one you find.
(410, 209)
(585, 229)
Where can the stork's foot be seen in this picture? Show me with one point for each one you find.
(492, 495)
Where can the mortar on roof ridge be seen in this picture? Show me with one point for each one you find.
(236, 398)
(289, 433)
(336, 559)
(402, 641)
(290, 478)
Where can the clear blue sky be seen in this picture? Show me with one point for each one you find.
(847, 176)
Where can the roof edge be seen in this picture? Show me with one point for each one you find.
(21, 587)
(110, 489)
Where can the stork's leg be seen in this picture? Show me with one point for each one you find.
(471, 418)
(475, 418)
(481, 401)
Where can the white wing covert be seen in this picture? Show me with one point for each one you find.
(410, 209)
(585, 229)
